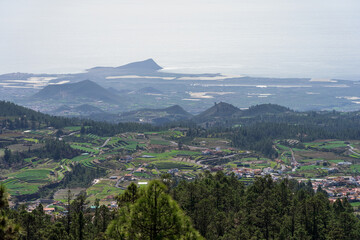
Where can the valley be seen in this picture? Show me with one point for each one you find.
(104, 163)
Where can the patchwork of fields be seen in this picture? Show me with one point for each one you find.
(148, 155)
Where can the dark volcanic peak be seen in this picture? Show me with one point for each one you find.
(221, 109)
(84, 89)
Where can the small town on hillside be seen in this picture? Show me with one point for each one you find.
(330, 165)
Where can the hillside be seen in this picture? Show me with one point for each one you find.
(62, 108)
(28, 117)
(156, 116)
(219, 110)
(265, 109)
(88, 109)
(86, 90)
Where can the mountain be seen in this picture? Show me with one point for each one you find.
(148, 90)
(265, 109)
(156, 116)
(84, 90)
(145, 66)
(219, 110)
(176, 110)
(148, 64)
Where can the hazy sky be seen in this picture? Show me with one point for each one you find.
(309, 38)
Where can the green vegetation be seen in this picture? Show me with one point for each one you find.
(101, 190)
(263, 209)
(159, 142)
(165, 165)
(171, 154)
(150, 214)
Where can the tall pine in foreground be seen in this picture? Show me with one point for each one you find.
(8, 229)
(152, 216)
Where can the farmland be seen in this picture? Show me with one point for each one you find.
(141, 156)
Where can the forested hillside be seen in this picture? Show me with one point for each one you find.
(213, 206)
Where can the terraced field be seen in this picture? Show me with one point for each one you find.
(101, 190)
(166, 165)
(171, 154)
(326, 144)
(28, 181)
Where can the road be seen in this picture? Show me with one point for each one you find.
(293, 160)
(106, 142)
(215, 159)
(351, 149)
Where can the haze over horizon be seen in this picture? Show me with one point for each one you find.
(270, 38)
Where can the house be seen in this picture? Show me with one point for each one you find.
(49, 210)
(113, 177)
(128, 177)
(140, 170)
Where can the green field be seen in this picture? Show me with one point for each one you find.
(159, 142)
(17, 187)
(326, 145)
(84, 149)
(28, 181)
(355, 167)
(308, 167)
(102, 189)
(282, 147)
(171, 154)
(355, 204)
(73, 128)
(162, 165)
(34, 140)
(32, 175)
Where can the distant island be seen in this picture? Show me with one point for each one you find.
(144, 85)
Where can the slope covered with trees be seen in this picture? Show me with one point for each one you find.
(212, 207)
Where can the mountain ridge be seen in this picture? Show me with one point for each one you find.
(83, 89)
(142, 66)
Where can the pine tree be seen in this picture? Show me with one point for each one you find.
(8, 229)
(153, 216)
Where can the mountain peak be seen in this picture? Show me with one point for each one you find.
(220, 109)
(176, 109)
(148, 64)
(85, 89)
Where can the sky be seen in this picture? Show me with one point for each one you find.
(269, 38)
